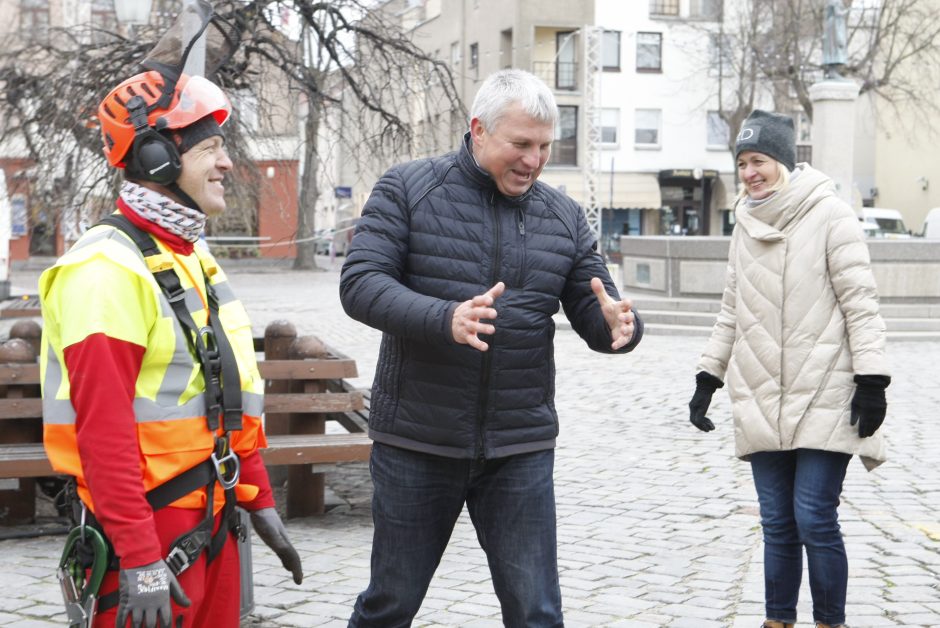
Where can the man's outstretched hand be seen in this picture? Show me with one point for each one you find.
(619, 315)
(469, 317)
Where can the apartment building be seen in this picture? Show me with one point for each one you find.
(638, 129)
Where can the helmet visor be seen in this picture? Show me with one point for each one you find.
(198, 98)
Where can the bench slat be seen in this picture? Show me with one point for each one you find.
(29, 459)
(277, 403)
(28, 408)
(26, 460)
(316, 448)
(307, 369)
(28, 374)
(19, 374)
(31, 408)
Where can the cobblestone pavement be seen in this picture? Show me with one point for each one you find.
(657, 522)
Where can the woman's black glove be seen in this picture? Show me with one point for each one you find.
(705, 386)
(868, 404)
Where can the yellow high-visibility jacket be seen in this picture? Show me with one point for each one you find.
(103, 285)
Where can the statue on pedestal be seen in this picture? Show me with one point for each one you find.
(834, 38)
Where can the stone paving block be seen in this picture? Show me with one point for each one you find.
(911, 594)
(632, 623)
(47, 611)
(873, 621)
(13, 604)
(319, 609)
(694, 622)
(922, 619)
(665, 596)
(470, 610)
(580, 582)
(37, 623)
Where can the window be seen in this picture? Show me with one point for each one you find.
(804, 128)
(610, 126)
(664, 7)
(610, 51)
(804, 152)
(566, 66)
(705, 9)
(474, 56)
(455, 53)
(565, 147)
(246, 108)
(649, 52)
(717, 133)
(34, 19)
(646, 127)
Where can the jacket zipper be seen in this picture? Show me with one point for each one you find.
(487, 356)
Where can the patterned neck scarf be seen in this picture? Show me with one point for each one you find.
(154, 207)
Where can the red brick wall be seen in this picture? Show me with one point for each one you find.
(277, 208)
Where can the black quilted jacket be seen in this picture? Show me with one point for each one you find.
(434, 233)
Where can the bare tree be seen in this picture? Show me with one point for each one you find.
(338, 58)
(774, 47)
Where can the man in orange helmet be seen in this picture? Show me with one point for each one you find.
(152, 398)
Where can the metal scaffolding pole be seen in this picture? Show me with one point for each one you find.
(591, 36)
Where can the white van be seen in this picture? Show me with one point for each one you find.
(932, 224)
(878, 222)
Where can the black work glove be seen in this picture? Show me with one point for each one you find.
(705, 386)
(270, 528)
(868, 403)
(144, 596)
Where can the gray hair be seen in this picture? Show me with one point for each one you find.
(505, 87)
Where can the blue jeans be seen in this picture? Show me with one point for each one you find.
(416, 501)
(799, 496)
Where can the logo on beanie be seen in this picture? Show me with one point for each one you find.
(747, 133)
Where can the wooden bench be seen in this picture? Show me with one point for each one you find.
(304, 390)
(20, 307)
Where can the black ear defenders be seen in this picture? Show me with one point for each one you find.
(153, 157)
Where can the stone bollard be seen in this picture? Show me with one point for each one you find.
(18, 495)
(30, 331)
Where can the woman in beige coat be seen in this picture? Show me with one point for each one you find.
(801, 344)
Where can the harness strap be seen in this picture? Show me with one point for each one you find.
(210, 344)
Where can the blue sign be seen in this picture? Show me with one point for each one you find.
(342, 191)
(18, 219)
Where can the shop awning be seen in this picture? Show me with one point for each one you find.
(631, 190)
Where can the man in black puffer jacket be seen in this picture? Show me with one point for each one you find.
(461, 261)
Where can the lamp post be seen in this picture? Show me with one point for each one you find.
(4, 238)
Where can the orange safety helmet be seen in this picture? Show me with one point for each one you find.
(192, 99)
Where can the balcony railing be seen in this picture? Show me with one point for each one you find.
(562, 75)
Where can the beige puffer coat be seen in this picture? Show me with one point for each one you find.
(799, 318)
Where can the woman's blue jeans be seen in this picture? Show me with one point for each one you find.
(799, 496)
(416, 501)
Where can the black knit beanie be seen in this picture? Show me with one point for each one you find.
(189, 136)
(768, 133)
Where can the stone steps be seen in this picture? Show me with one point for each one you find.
(695, 317)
